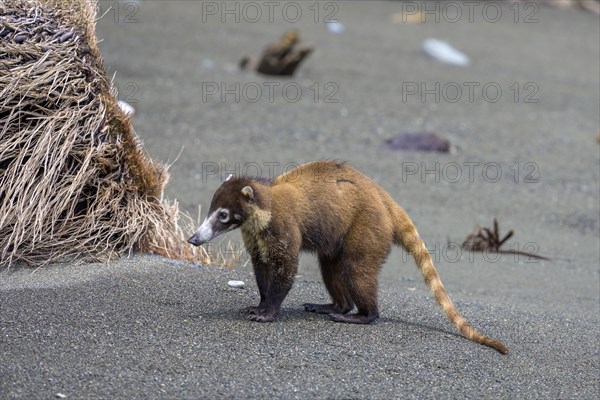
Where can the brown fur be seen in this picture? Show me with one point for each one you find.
(350, 222)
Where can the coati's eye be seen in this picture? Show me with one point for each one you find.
(223, 216)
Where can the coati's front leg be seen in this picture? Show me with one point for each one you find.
(274, 279)
(262, 281)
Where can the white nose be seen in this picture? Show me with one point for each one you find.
(199, 238)
(194, 240)
(204, 234)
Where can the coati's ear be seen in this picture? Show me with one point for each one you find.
(248, 193)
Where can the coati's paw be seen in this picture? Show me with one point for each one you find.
(322, 308)
(253, 310)
(354, 318)
(337, 317)
(261, 317)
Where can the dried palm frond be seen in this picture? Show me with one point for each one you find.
(74, 178)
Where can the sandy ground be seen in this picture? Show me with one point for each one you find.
(146, 327)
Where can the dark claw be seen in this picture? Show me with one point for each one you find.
(337, 317)
(261, 318)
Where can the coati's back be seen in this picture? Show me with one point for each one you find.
(328, 198)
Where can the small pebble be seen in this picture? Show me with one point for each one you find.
(236, 284)
(335, 26)
(61, 396)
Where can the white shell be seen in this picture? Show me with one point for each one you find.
(236, 284)
(127, 109)
(443, 52)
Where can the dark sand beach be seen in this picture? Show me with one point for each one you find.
(522, 119)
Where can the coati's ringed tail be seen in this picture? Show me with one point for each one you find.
(408, 237)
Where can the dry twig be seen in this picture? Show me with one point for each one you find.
(281, 57)
(485, 239)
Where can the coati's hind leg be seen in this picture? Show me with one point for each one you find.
(363, 290)
(331, 270)
(361, 268)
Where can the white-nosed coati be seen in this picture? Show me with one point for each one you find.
(334, 210)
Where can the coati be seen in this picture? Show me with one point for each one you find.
(334, 210)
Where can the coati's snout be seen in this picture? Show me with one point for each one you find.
(215, 224)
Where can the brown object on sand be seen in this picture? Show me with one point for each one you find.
(281, 57)
(488, 240)
(418, 141)
(74, 178)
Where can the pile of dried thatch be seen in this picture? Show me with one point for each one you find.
(74, 179)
